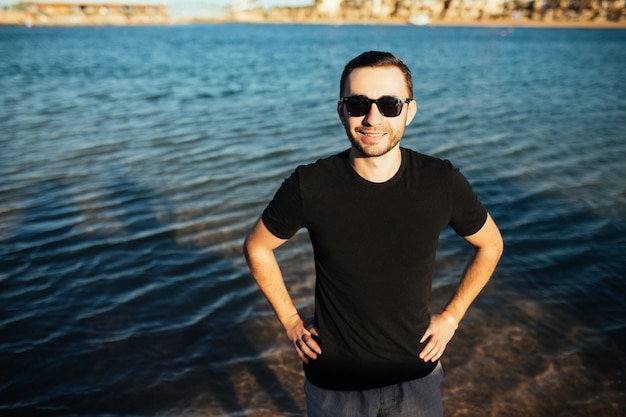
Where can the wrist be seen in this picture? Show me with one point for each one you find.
(290, 321)
(450, 319)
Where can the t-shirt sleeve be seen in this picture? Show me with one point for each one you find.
(283, 216)
(468, 215)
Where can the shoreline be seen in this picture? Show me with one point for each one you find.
(15, 18)
(496, 23)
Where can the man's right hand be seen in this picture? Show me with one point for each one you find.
(301, 335)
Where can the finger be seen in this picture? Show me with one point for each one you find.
(303, 345)
(312, 343)
(428, 356)
(297, 343)
(433, 353)
(427, 334)
(429, 351)
(437, 354)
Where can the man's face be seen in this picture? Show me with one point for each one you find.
(374, 134)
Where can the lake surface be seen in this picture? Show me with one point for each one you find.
(134, 160)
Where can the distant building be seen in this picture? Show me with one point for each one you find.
(430, 11)
(328, 8)
(79, 13)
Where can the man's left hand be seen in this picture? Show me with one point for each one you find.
(438, 334)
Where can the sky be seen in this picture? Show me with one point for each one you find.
(194, 8)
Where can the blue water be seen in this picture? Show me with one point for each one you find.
(134, 160)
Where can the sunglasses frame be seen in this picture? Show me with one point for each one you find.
(399, 103)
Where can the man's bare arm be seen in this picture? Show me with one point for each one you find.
(488, 246)
(259, 251)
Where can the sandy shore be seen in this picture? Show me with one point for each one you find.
(533, 23)
(447, 22)
(18, 18)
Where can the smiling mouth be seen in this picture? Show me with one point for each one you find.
(373, 135)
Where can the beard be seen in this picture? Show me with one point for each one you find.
(376, 149)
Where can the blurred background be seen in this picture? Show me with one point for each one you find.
(134, 159)
(585, 13)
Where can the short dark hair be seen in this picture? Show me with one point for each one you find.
(376, 59)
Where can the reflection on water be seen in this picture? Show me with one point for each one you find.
(135, 159)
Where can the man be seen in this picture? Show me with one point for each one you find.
(374, 214)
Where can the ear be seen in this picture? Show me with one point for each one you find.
(340, 112)
(411, 112)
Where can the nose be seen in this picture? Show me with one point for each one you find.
(373, 116)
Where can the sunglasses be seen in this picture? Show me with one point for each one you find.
(387, 106)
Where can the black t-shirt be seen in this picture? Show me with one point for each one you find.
(374, 246)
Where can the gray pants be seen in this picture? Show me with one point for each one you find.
(418, 398)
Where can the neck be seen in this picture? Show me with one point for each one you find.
(377, 169)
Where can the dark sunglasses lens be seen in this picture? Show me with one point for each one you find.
(357, 106)
(390, 107)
